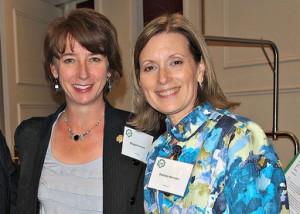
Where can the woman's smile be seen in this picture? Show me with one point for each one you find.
(82, 87)
(168, 92)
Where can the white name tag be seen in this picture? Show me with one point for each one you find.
(136, 144)
(170, 176)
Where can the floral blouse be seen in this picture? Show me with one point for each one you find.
(236, 168)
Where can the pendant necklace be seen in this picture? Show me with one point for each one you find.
(76, 137)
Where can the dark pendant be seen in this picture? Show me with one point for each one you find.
(76, 137)
(177, 150)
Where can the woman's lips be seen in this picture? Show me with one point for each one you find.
(168, 92)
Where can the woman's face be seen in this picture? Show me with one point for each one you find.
(169, 75)
(82, 74)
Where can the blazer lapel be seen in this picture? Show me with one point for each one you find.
(113, 188)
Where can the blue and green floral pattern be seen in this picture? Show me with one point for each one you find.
(236, 169)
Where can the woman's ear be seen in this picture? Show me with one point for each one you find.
(53, 70)
(201, 71)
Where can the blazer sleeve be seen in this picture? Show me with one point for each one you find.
(8, 179)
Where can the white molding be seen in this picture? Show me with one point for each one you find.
(244, 63)
(263, 91)
(21, 79)
(61, 2)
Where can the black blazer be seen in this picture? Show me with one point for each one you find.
(8, 179)
(122, 176)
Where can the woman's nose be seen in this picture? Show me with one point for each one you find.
(164, 76)
(83, 71)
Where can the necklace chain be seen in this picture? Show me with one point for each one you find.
(76, 137)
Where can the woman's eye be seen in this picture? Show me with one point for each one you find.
(68, 60)
(177, 62)
(95, 59)
(149, 68)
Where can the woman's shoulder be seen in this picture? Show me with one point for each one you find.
(246, 131)
(31, 124)
(121, 112)
(113, 112)
(34, 124)
(239, 120)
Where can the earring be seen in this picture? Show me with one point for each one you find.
(56, 86)
(109, 85)
(201, 85)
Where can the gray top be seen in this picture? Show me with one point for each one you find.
(70, 188)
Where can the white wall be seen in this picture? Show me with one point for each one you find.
(24, 89)
(244, 73)
(126, 16)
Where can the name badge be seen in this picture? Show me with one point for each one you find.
(136, 144)
(170, 176)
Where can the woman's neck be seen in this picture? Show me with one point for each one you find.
(85, 114)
